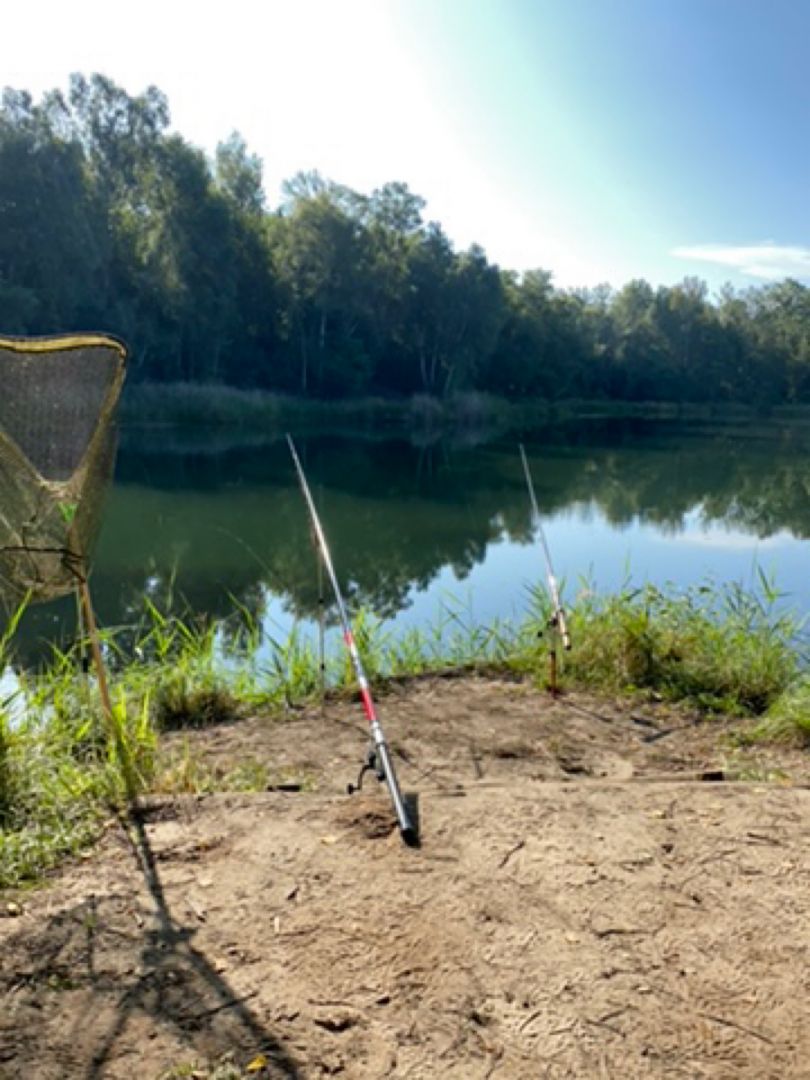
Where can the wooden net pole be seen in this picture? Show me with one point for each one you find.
(95, 649)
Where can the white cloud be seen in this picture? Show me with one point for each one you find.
(766, 260)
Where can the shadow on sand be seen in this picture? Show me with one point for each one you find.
(100, 991)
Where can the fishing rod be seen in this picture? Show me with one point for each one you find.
(379, 759)
(557, 622)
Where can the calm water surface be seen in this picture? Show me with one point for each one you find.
(415, 528)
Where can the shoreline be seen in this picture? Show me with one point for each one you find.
(167, 404)
(718, 656)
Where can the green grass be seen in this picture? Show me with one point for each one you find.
(64, 772)
(725, 649)
(788, 719)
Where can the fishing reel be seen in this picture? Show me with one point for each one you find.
(557, 629)
(371, 764)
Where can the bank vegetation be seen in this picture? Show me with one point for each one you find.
(723, 651)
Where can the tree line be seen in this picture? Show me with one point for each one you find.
(108, 220)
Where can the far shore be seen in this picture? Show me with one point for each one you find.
(197, 404)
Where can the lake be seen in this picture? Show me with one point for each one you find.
(417, 526)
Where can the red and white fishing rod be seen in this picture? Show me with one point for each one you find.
(379, 756)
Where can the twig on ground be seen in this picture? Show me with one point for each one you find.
(520, 844)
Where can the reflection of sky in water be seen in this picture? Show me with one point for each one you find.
(598, 556)
(10, 702)
(233, 524)
(590, 553)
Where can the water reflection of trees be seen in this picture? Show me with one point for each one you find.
(234, 524)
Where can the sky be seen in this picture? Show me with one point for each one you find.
(603, 140)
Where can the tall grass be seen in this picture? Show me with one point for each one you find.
(721, 647)
(62, 773)
(198, 404)
(207, 405)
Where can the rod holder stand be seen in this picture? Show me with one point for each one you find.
(553, 688)
(554, 638)
(369, 765)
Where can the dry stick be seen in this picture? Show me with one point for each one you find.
(739, 1027)
(103, 686)
(321, 629)
(95, 649)
(232, 1004)
(517, 847)
(81, 621)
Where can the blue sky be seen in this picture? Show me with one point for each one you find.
(599, 139)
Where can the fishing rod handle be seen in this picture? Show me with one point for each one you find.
(407, 828)
(380, 750)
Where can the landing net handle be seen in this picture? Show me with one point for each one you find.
(379, 757)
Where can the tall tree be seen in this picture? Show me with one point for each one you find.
(239, 175)
(51, 258)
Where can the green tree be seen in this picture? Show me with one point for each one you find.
(239, 175)
(321, 257)
(51, 260)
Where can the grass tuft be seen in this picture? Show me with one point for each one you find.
(722, 648)
(179, 704)
(788, 718)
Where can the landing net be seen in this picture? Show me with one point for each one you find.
(58, 398)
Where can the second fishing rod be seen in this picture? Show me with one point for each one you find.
(557, 623)
(379, 759)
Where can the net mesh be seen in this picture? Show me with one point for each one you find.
(58, 399)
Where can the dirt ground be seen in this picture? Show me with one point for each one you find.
(602, 890)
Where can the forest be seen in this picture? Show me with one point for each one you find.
(111, 221)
